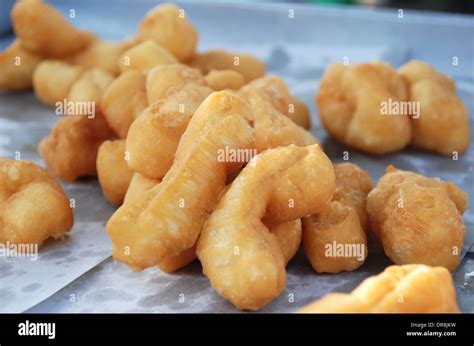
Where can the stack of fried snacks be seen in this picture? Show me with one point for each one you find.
(206, 157)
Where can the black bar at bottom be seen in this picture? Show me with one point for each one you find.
(316, 329)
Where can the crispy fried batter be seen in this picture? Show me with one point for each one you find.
(169, 218)
(53, 79)
(42, 30)
(443, 122)
(398, 289)
(247, 65)
(168, 26)
(154, 136)
(144, 56)
(269, 98)
(239, 255)
(349, 101)
(123, 101)
(33, 206)
(342, 224)
(102, 54)
(418, 219)
(112, 170)
(165, 80)
(225, 79)
(16, 68)
(70, 150)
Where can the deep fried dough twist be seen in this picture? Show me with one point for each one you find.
(239, 255)
(168, 218)
(269, 99)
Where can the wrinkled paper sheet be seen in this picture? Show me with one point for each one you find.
(78, 274)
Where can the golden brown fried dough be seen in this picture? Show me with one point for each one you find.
(350, 100)
(335, 239)
(175, 92)
(418, 219)
(154, 136)
(274, 89)
(443, 122)
(88, 89)
(269, 98)
(169, 219)
(102, 54)
(398, 289)
(167, 25)
(16, 68)
(299, 113)
(33, 206)
(247, 65)
(163, 81)
(144, 56)
(239, 255)
(139, 184)
(42, 30)
(70, 150)
(112, 170)
(225, 79)
(353, 184)
(288, 235)
(53, 79)
(123, 101)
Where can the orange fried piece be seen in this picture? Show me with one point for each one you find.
(169, 218)
(288, 235)
(225, 79)
(70, 150)
(138, 185)
(353, 184)
(335, 239)
(42, 30)
(167, 25)
(442, 124)
(53, 79)
(418, 219)
(112, 170)
(153, 138)
(16, 68)
(241, 257)
(165, 80)
(413, 288)
(350, 102)
(123, 101)
(299, 113)
(144, 56)
(269, 98)
(102, 54)
(33, 206)
(247, 65)
(88, 90)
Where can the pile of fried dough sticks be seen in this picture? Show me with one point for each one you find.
(207, 157)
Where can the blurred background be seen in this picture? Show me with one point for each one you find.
(460, 6)
(455, 6)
